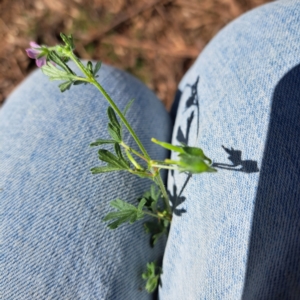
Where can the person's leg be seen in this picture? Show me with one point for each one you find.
(54, 244)
(236, 233)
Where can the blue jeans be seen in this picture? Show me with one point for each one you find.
(235, 234)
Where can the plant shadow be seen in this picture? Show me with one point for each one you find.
(235, 156)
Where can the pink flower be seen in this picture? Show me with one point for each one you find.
(37, 53)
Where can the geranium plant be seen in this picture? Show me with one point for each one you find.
(53, 62)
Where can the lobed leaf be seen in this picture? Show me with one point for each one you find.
(114, 132)
(68, 40)
(78, 82)
(151, 277)
(56, 74)
(152, 198)
(59, 61)
(113, 160)
(128, 105)
(65, 86)
(126, 213)
(100, 142)
(112, 117)
(104, 169)
(97, 67)
(156, 229)
(191, 159)
(119, 151)
(152, 284)
(90, 66)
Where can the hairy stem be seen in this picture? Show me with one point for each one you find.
(161, 185)
(93, 81)
(134, 151)
(155, 216)
(164, 167)
(122, 117)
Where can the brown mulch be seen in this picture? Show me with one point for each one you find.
(156, 40)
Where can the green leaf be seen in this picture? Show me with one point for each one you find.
(121, 205)
(104, 169)
(142, 174)
(65, 86)
(112, 117)
(191, 159)
(120, 154)
(196, 152)
(156, 229)
(97, 67)
(71, 39)
(56, 74)
(110, 158)
(168, 146)
(57, 59)
(157, 236)
(141, 205)
(128, 105)
(90, 67)
(150, 271)
(151, 284)
(118, 151)
(152, 198)
(193, 164)
(78, 82)
(155, 193)
(114, 132)
(68, 40)
(166, 223)
(152, 276)
(126, 213)
(100, 142)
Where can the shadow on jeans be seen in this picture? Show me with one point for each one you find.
(237, 163)
(273, 266)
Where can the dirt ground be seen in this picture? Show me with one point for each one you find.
(156, 40)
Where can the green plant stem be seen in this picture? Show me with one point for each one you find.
(120, 114)
(134, 151)
(133, 161)
(160, 183)
(93, 81)
(80, 65)
(164, 167)
(155, 216)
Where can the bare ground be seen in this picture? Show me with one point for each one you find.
(156, 40)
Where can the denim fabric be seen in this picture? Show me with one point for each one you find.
(236, 233)
(54, 244)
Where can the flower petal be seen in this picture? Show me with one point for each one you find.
(32, 53)
(34, 45)
(41, 61)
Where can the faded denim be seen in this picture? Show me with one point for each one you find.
(235, 233)
(54, 242)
